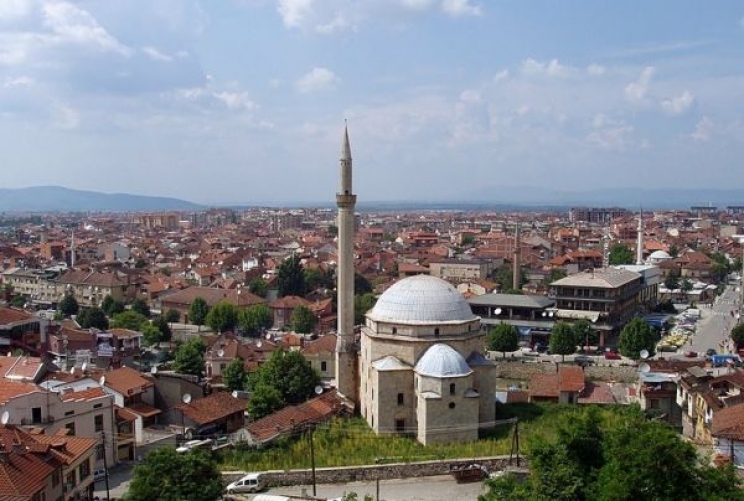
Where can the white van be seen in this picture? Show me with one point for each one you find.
(252, 482)
(270, 497)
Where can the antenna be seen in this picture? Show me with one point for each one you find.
(102, 381)
(318, 390)
(644, 354)
(186, 398)
(5, 418)
(644, 368)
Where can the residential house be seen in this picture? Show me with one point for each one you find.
(216, 414)
(321, 353)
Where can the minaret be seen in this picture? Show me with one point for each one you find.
(516, 265)
(72, 249)
(347, 380)
(639, 240)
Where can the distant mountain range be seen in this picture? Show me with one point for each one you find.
(57, 198)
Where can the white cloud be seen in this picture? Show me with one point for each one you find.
(702, 130)
(338, 23)
(610, 134)
(470, 96)
(501, 75)
(236, 100)
(595, 69)
(460, 8)
(157, 55)
(552, 68)
(318, 79)
(294, 12)
(22, 81)
(11, 10)
(70, 23)
(636, 91)
(678, 105)
(66, 117)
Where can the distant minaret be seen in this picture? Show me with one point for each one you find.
(639, 240)
(606, 248)
(346, 352)
(72, 249)
(516, 265)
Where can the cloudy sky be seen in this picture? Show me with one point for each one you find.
(243, 101)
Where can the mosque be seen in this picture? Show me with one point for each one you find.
(419, 368)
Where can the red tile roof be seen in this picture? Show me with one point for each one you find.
(323, 345)
(13, 315)
(67, 449)
(544, 385)
(729, 422)
(88, 394)
(24, 471)
(12, 389)
(126, 381)
(213, 407)
(571, 379)
(597, 393)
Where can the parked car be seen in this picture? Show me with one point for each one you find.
(99, 474)
(691, 354)
(583, 360)
(252, 482)
(710, 352)
(612, 355)
(529, 352)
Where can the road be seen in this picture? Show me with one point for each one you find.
(119, 478)
(440, 488)
(716, 323)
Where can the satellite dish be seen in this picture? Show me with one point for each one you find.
(644, 354)
(102, 381)
(221, 353)
(259, 344)
(85, 366)
(551, 313)
(497, 311)
(318, 390)
(234, 393)
(268, 336)
(5, 418)
(186, 398)
(644, 368)
(544, 313)
(10, 354)
(154, 369)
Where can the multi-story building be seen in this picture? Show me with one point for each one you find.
(533, 316)
(460, 270)
(597, 214)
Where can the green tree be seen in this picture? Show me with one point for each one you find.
(19, 301)
(93, 317)
(165, 331)
(190, 358)
(140, 306)
(635, 337)
(555, 275)
(222, 317)
(152, 334)
(172, 316)
(234, 375)
(503, 338)
(287, 372)
(167, 475)
(686, 286)
(621, 254)
(671, 281)
(68, 305)
(362, 304)
(361, 284)
(198, 311)
(467, 240)
(303, 320)
(332, 230)
(317, 278)
(258, 286)
(563, 339)
(129, 320)
(737, 335)
(585, 333)
(255, 319)
(264, 400)
(291, 277)
(107, 304)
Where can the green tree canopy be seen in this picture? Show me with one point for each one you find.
(254, 319)
(172, 316)
(585, 333)
(737, 335)
(222, 317)
(107, 303)
(165, 331)
(264, 400)
(129, 319)
(234, 375)
(671, 281)
(140, 306)
(68, 305)
(362, 304)
(289, 373)
(167, 475)
(152, 334)
(503, 338)
(563, 339)
(93, 317)
(190, 358)
(361, 284)
(258, 286)
(303, 320)
(555, 275)
(198, 311)
(621, 254)
(317, 278)
(636, 336)
(291, 277)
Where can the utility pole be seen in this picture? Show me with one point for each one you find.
(105, 465)
(312, 460)
(515, 443)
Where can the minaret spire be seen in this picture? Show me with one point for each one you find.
(72, 249)
(347, 378)
(639, 239)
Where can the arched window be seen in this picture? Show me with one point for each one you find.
(453, 389)
(436, 331)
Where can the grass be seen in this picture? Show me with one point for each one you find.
(348, 442)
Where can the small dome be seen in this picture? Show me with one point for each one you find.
(421, 299)
(659, 255)
(442, 360)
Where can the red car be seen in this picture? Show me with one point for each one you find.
(612, 355)
(691, 354)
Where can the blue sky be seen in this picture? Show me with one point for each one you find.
(243, 101)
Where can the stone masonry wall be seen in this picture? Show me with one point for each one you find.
(523, 370)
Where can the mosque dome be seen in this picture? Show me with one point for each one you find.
(659, 255)
(441, 360)
(421, 299)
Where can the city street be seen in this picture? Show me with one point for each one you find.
(716, 323)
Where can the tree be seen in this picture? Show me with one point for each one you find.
(291, 277)
(234, 375)
(362, 304)
(503, 338)
(140, 263)
(361, 284)
(264, 400)
(172, 316)
(152, 334)
(222, 317)
(129, 320)
(563, 339)
(584, 332)
(635, 337)
(68, 305)
(621, 254)
(198, 311)
(317, 278)
(258, 286)
(555, 275)
(255, 319)
(671, 281)
(332, 230)
(287, 372)
(737, 335)
(165, 331)
(93, 317)
(686, 286)
(190, 358)
(140, 306)
(303, 320)
(111, 307)
(167, 475)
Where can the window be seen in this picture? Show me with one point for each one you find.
(98, 421)
(395, 330)
(98, 406)
(36, 415)
(70, 427)
(436, 331)
(99, 452)
(453, 389)
(400, 425)
(84, 470)
(69, 413)
(451, 405)
(323, 366)
(56, 477)
(400, 399)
